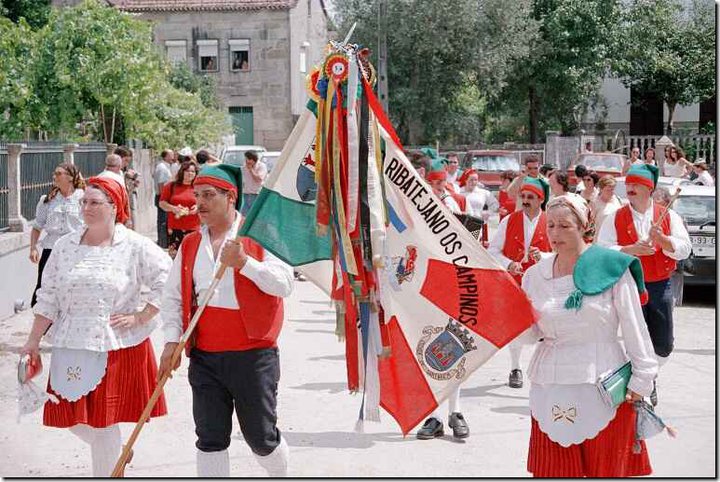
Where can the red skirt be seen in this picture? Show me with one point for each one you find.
(121, 395)
(609, 454)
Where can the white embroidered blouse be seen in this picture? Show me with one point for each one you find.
(58, 217)
(83, 285)
(579, 346)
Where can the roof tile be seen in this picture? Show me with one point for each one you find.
(200, 5)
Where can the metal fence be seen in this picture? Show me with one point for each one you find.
(37, 163)
(4, 190)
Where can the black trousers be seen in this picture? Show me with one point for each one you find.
(245, 381)
(41, 266)
(658, 316)
(162, 233)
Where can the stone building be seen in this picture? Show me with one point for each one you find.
(257, 51)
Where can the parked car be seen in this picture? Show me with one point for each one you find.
(269, 158)
(489, 165)
(603, 163)
(696, 206)
(235, 155)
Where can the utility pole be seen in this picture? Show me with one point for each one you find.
(382, 55)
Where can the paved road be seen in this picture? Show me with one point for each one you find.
(317, 415)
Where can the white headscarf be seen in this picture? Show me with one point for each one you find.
(576, 204)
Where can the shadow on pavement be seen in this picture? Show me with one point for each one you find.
(328, 357)
(485, 391)
(699, 351)
(519, 410)
(327, 321)
(327, 332)
(314, 302)
(348, 439)
(323, 386)
(323, 312)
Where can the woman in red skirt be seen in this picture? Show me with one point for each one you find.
(102, 367)
(584, 294)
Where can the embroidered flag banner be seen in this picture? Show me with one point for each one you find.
(423, 304)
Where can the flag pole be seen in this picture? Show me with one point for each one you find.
(125, 455)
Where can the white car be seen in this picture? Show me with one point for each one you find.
(270, 158)
(235, 155)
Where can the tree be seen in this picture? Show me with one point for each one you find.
(95, 63)
(566, 63)
(669, 51)
(17, 44)
(35, 12)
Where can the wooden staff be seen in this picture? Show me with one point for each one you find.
(119, 470)
(665, 211)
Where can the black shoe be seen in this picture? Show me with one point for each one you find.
(432, 428)
(300, 277)
(459, 425)
(515, 380)
(653, 395)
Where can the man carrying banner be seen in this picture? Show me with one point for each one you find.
(517, 245)
(438, 180)
(233, 352)
(640, 229)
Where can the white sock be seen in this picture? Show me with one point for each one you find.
(454, 401)
(213, 464)
(662, 360)
(84, 432)
(276, 462)
(515, 351)
(105, 450)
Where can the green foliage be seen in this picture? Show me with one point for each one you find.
(185, 79)
(17, 42)
(93, 72)
(669, 51)
(35, 12)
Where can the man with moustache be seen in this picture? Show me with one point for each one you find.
(632, 229)
(234, 361)
(517, 245)
(531, 168)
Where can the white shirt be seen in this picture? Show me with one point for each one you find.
(601, 210)
(498, 241)
(250, 185)
(83, 285)
(162, 174)
(271, 275)
(58, 217)
(705, 179)
(579, 346)
(120, 178)
(673, 170)
(679, 236)
(477, 199)
(450, 203)
(174, 168)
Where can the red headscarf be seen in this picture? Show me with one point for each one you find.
(462, 180)
(116, 193)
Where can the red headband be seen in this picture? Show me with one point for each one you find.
(644, 181)
(116, 193)
(533, 189)
(218, 183)
(436, 176)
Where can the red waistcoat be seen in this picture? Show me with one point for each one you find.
(657, 267)
(514, 247)
(506, 202)
(260, 314)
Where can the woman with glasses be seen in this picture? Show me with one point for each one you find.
(590, 179)
(178, 200)
(57, 214)
(102, 365)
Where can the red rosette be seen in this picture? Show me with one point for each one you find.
(336, 67)
(311, 84)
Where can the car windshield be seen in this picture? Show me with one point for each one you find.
(601, 163)
(501, 162)
(695, 210)
(270, 161)
(234, 158)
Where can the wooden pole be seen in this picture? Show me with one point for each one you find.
(119, 470)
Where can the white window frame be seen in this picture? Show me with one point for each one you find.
(207, 48)
(238, 45)
(174, 50)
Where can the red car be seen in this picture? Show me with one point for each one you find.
(489, 165)
(603, 163)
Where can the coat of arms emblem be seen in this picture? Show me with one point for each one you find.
(441, 351)
(305, 182)
(402, 268)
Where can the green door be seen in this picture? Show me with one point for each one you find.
(242, 120)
